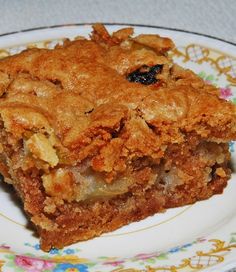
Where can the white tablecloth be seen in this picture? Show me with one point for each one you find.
(212, 17)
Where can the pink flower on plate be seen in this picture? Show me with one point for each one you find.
(114, 263)
(144, 256)
(225, 92)
(32, 264)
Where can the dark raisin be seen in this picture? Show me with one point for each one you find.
(89, 111)
(145, 74)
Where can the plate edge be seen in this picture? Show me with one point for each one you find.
(118, 24)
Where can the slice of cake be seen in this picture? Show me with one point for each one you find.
(101, 132)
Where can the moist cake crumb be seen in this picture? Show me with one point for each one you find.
(101, 132)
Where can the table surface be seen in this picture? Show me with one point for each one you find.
(211, 17)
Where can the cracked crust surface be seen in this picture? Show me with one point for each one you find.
(80, 141)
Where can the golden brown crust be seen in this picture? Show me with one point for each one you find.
(79, 138)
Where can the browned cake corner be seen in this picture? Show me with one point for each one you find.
(101, 132)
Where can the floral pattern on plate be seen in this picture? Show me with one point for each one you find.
(68, 261)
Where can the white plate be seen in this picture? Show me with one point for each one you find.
(197, 237)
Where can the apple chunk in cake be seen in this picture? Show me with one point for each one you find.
(101, 132)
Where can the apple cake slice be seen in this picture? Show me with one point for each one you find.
(101, 132)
